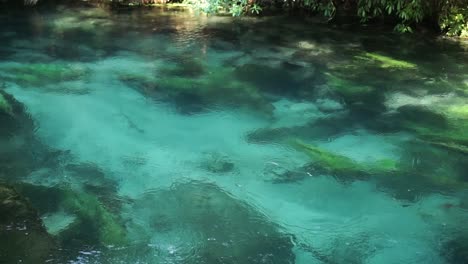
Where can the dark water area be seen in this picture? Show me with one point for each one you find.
(160, 135)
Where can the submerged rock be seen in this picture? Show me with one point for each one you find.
(204, 224)
(23, 236)
(217, 163)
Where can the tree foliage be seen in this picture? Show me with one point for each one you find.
(450, 15)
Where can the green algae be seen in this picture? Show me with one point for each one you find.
(398, 176)
(94, 223)
(359, 96)
(385, 62)
(347, 88)
(90, 211)
(341, 165)
(458, 111)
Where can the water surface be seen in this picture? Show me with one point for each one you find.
(165, 136)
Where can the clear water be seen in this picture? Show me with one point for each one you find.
(163, 136)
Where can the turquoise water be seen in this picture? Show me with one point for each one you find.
(163, 136)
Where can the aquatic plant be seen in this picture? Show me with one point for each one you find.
(385, 61)
(94, 224)
(347, 88)
(91, 216)
(341, 165)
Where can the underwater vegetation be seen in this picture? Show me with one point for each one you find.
(385, 62)
(340, 165)
(421, 176)
(196, 94)
(92, 224)
(76, 207)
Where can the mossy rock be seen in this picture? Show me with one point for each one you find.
(23, 236)
(94, 224)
